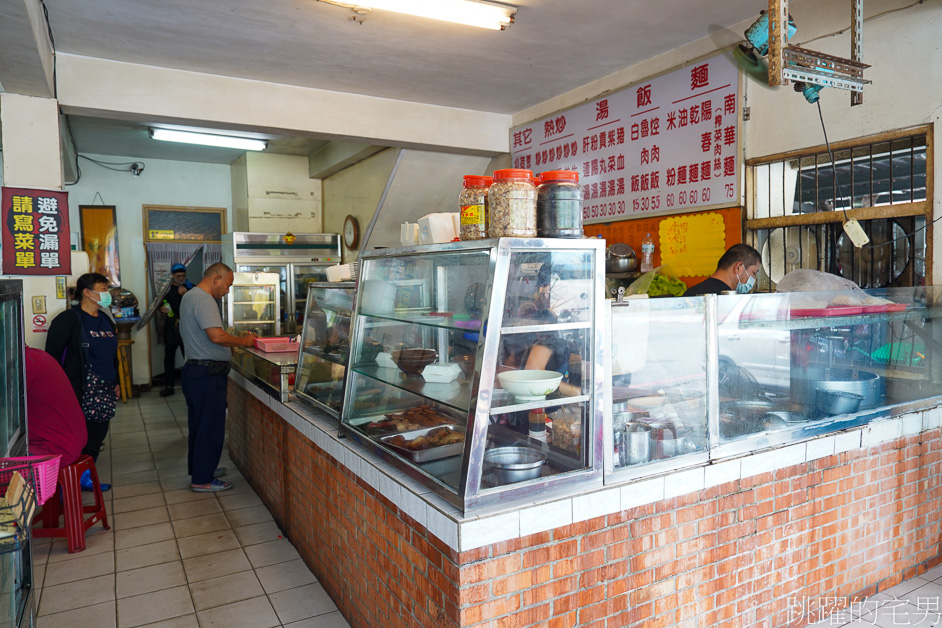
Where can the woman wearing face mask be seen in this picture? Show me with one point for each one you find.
(85, 342)
(736, 270)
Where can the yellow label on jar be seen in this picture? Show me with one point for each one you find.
(472, 214)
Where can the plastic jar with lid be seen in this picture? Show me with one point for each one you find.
(472, 203)
(511, 203)
(559, 205)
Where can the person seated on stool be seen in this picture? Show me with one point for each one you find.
(54, 419)
(736, 270)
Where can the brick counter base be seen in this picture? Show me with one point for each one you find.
(778, 549)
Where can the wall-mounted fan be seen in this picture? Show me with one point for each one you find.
(787, 249)
(879, 263)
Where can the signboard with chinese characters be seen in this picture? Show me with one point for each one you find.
(667, 145)
(35, 232)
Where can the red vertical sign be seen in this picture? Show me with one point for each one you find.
(35, 232)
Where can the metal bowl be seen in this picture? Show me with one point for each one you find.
(837, 401)
(620, 258)
(514, 464)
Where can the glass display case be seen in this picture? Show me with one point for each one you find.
(16, 579)
(325, 345)
(253, 303)
(715, 376)
(273, 371)
(476, 366)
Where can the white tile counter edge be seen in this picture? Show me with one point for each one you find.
(466, 533)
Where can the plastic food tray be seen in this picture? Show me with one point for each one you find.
(276, 345)
(426, 455)
(828, 311)
(886, 307)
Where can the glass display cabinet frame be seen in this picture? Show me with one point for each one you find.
(482, 299)
(776, 369)
(325, 345)
(16, 567)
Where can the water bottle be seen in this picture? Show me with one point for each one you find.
(647, 253)
(170, 313)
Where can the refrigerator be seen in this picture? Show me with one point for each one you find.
(252, 304)
(298, 260)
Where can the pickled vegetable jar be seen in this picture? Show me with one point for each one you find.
(559, 205)
(472, 203)
(512, 204)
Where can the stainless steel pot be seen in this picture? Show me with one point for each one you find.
(620, 258)
(514, 464)
(834, 402)
(864, 383)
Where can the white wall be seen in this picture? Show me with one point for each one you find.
(161, 183)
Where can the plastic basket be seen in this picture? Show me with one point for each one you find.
(276, 345)
(899, 353)
(17, 515)
(44, 471)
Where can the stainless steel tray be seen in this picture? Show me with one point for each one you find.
(426, 455)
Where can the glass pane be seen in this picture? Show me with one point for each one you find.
(547, 287)
(417, 337)
(659, 379)
(325, 345)
(813, 359)
(281, 271)
(303, 277)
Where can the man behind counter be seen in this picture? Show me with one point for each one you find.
(736, 270)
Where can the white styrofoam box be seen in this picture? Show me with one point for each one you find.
(408, 234)
(641, 493)
(545, 517)
(436, 228)
(340, 272)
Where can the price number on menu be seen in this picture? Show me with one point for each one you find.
(603, 210)
(646, 203)
(687, 197)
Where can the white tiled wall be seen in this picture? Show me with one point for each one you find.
(462, 534)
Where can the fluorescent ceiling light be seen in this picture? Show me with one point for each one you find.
(470, 12)
(207, 139)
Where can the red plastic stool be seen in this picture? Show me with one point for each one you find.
(68, 502)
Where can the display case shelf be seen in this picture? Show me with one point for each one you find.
(816, 322)
(320, 354)
(414, 319)
(456, 394)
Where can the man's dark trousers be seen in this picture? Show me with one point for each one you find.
(206, 418)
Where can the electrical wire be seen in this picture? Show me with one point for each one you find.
(868, 19)
(837, 189)
(108, 164)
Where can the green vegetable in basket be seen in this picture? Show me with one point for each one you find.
(663, 285)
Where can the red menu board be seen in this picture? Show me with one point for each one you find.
(666, 145)
(35, 232)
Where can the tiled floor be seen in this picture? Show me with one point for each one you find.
(174, 558)
(914, 602)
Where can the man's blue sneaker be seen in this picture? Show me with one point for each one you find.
(86, 482)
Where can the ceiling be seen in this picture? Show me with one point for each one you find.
(554, 46)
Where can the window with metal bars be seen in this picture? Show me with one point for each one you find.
(798, 203)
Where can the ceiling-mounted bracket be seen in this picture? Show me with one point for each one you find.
(816, 68)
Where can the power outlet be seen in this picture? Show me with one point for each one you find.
(39, 305)
(856, 233)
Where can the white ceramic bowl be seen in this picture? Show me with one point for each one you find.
(530, 385)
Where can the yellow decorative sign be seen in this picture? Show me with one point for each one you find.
(692, 244)
(160, 234)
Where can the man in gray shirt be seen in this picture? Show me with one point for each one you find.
(205, 376)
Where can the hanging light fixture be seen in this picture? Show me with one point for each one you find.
(492, 15)
(207, 139)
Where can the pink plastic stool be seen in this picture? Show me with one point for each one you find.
(68, 502)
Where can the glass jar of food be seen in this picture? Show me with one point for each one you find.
(511, 203)
(559, 205)
(472, 203)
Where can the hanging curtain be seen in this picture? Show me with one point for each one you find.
(212, 253)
